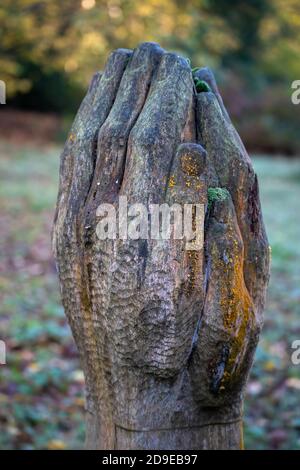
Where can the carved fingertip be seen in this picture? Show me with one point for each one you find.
(121, 52)
(118, 55)
(149, 47)
(207, 75)
(172, 64)
(192, 159)
(94, 82)
(145, 55)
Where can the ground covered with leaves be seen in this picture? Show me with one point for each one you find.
(41, 386)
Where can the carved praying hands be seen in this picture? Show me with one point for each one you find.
(166, 335)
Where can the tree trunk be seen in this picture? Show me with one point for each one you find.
(166, 330)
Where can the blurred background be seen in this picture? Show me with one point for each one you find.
(48, 53)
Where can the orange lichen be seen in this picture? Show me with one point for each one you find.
(171, 181)
(235, 302)
(189, 165)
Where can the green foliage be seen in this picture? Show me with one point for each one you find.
(244, 19)
(49, 50)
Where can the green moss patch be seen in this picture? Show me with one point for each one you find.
(216, 194)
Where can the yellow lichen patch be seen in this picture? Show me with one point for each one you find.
(72, 137)
(189, 165)
(171, 181)
(199, 185)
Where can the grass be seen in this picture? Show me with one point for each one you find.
(272, 402)
(41, 387)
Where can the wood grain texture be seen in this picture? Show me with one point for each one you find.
(166, 336)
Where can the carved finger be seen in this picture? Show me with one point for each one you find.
(78, 156)
(187, 192)
(234, 171)
(113, 136)
(75, 175)
(66, 159)
(228, 330)
(206, 74)
(158, 131)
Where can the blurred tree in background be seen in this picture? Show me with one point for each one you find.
(49, 49)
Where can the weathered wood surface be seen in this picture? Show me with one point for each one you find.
(166, 337)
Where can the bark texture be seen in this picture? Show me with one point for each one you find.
(166, 336)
